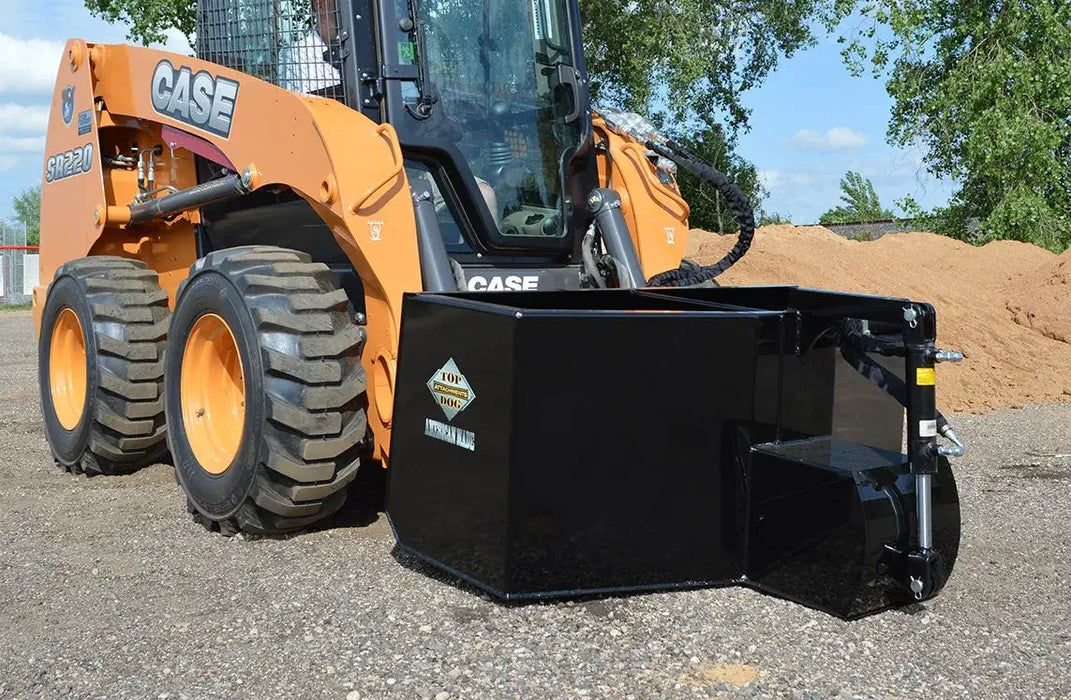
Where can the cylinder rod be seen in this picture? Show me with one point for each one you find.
(924, 510)
(435, 270)
(606, 206)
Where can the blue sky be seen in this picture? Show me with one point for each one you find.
(811, 120)
(32, 35)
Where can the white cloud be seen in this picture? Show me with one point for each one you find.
(16, 118)
(772, 179)
(769, 178)
(29, 66)
(839, 138)
(177, 42)
(22, 144)
(28, 69)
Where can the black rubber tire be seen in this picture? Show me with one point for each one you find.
(305, 419)
(124, 317)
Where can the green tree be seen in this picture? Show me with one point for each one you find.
(773, 218)
(27, 205)
(694, 58)
(148, 20)
(861, 202)
(985, 88)
(708, 208)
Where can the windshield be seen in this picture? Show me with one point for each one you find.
(502, 71)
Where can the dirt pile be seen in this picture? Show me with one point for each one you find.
(1041, 299)
(1006, 305)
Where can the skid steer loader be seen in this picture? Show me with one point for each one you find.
(351, 234)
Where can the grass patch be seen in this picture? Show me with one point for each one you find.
(15, 307)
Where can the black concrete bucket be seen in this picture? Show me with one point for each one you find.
(554, 444)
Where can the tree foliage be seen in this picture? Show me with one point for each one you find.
(148, 20)
(27, 205)
(708, 208)
(773, 218)
(860, 202)
(985, 88)
(694, 58)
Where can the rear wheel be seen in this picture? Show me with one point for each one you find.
(100, 365)
(265, 391)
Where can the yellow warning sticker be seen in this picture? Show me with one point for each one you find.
(925, 376)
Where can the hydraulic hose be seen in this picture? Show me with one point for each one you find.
(591, 266)
(887, 345)
(854, 346)
(737, 202)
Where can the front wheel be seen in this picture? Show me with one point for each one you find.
(265, 392)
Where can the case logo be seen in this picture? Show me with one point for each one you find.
(203, 101)
(450, 389)
(500, 283)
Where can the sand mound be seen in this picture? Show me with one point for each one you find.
(1006, 305)
(1041, 299)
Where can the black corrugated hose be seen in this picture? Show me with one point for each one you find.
(854, 346)
(734, 198)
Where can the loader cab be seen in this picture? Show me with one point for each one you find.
(488, 97)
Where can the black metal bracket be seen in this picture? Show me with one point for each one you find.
(919, 332)
(917, 570)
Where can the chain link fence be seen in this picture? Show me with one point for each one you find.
(18, 266)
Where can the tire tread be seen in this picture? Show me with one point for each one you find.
(130, 318)
(314, 417)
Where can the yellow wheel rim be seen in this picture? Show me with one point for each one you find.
(212, 394)
(67, 369)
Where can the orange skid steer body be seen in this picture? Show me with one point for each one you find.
(225, 263)
(272, 136)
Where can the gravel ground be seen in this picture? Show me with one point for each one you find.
(108, 589)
